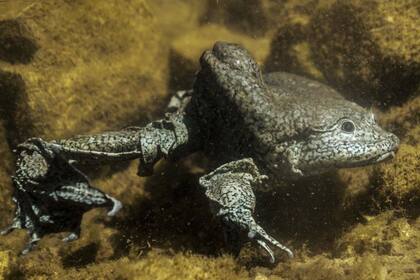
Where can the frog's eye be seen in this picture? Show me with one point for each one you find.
(347, 126)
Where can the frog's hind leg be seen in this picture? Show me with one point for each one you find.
(232, 199)
(51, 195)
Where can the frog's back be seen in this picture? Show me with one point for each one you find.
(290, 85)
(300, 103)
(258, 120)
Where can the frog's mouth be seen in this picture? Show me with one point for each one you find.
(376, 159)
(388, 148)
(384, 157)
(367, 161)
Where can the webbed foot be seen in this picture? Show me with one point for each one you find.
(71, 237)
(31, 244)
(116, 206)
(229, 188)
(51, 194)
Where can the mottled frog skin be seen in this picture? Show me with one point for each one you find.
(257, 128)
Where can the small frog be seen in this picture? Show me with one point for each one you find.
(258, 129)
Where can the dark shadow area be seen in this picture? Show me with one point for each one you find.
(181, 72)
(16, 43)
(245, 16)
(174, 216)
(281, 58)
(81, 257)
(338, 45)
(12, 97)
(370, 77)
(307, 212)
(408, 204)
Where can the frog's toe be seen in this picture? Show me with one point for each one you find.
(116, 206)
(31, 244)
(15, 225)
(267, 248)
(71, 237)
(263, 239)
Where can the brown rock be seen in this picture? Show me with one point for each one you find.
(6, 206)
(367, 49)
(392, 240)
(16, 42)
(244, 16)
(96, 66)
(399, 180)
(403, 119)
(7, 264)
(176, 18)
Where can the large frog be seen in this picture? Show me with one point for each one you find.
(257, 128)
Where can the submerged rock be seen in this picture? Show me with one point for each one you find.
(367, 49)
(7, 265)
(87, 73)
(241, 16)
(6, 205)
(399, 184)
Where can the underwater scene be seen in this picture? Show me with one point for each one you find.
(210, 139)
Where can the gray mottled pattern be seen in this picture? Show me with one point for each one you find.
(250, 124)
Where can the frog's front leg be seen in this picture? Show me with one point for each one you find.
(230, 190)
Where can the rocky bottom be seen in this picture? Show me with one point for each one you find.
(166, 231)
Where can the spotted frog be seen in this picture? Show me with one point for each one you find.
(258, 129)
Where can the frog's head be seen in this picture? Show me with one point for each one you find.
(346, 135)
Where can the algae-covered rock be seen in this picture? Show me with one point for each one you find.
(382, 247)
(176, 18)
(6, 206)
(321, 267)
(392, 239)
(385, 233)
(158, 266)
(186, 266)
(97, 65)
(358, 182)
(370, 48)
(404, 120)
(7, 265)
(243, 16)
(399, 180)
(367, 49)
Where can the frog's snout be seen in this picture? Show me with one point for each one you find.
(393, 145)
(395, 142)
